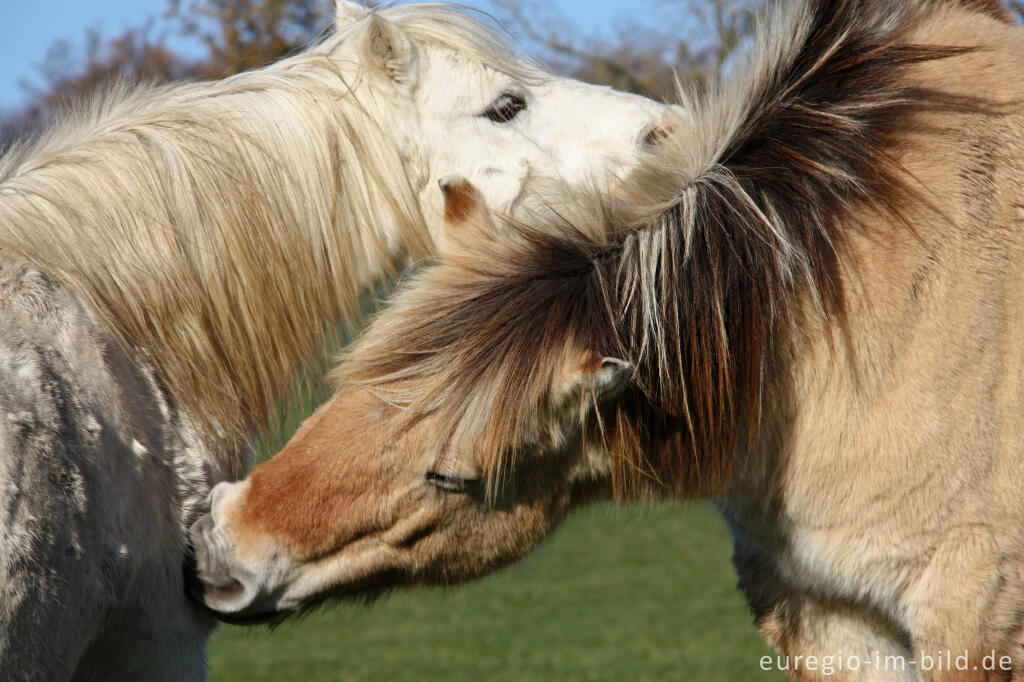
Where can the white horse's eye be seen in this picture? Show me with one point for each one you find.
(505, 108)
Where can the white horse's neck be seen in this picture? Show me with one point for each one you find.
(221, 227)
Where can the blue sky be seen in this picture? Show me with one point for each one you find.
(29, 27)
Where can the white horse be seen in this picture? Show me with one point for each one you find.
(173, 254)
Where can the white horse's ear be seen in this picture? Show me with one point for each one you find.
(606, 377)
(387, 50)
(347, 12)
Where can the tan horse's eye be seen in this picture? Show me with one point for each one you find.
(505, 108)
(452, 484)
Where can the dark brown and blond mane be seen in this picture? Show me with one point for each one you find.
(770, 178)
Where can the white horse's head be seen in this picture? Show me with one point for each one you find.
(461, 102)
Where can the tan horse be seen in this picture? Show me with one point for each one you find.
(823, 333)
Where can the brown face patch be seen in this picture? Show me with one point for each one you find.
(321, 486)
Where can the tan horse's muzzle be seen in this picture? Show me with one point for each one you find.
(222, 583)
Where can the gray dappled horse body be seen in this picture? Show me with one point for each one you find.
(822, 333)
(172, 255)
(100, 475)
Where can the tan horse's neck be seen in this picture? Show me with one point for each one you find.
(890, 464)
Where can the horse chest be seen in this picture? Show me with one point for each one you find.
(779, 553)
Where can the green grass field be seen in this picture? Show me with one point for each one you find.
(616, 594)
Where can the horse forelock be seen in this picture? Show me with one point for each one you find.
(771, 176)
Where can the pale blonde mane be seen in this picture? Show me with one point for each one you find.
(224, 227)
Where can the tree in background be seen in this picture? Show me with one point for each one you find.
(244, 34)
(234, 35)
(687, 41)
(70, 73)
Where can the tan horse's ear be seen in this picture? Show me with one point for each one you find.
(467, 221)
(347, 12)
(610, 377)
(462, 202)
(388, 51)
(603, 377)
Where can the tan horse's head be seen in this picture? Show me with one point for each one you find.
(364, 497)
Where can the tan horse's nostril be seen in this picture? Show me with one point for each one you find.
(656, 134)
